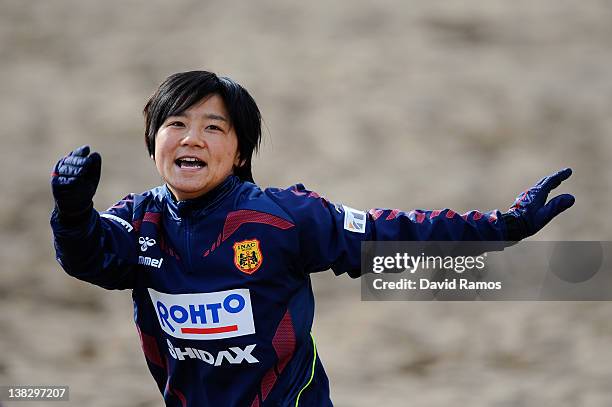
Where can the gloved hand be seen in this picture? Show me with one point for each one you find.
(530, 212)
(74, 182)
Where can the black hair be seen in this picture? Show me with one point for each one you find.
(180, 91)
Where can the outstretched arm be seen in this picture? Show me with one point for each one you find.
(529, 213)
(331, 234)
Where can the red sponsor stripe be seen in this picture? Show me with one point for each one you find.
(267, 383)
(284, 346)
(153, 217)
(180, 396)
(450, 214)
(284, 341)
(237, 218)
(433, 214)
(205, 331)
(149, 347)
(136, 224)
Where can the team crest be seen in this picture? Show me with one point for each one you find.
(247, 256)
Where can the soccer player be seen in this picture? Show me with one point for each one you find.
(219, 268)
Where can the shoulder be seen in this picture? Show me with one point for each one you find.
(153, 197)
(292, 203)
(285, 203)
(133, 203)
(148, 197)
(296, 196)
(254, 200)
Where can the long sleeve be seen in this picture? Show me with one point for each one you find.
(101, 248)
(330, 234)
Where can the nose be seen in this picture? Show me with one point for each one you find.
(193, 138)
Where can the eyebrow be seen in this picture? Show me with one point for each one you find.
(211, 116)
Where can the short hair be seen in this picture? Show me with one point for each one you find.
(180, 91)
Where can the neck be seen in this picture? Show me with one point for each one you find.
(206, 200)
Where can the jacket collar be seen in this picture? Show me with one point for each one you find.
(206, 202)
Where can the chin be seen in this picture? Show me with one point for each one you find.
(186, 191)
(191, 193)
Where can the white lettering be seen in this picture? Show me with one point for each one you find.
(479, 285)
(402, 284)
(227, 355)
(425, 284)
(181, 354)
(377, 264)
(240, 355)
(148, 261)
(123, 223)
(206, 356)
(171, 349)
(405, 262)
(244, 354)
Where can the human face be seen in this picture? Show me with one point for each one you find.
(203, 135)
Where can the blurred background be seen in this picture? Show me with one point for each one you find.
(406, 104)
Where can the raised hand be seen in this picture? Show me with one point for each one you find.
(74, 181)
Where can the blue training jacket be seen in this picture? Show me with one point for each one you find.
(221, 286)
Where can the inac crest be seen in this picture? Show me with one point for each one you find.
(247, 255)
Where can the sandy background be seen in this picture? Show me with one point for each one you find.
(392, 103)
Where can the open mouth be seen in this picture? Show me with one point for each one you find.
(189, 162)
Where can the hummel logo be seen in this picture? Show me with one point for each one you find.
(145, 242)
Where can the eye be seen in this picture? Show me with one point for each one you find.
(213, 127)
(175, 123)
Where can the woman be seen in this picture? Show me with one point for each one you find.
(219, 268)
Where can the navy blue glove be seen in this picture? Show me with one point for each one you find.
(74, 182)
(530, 212)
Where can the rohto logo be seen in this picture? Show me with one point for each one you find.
(204, 316)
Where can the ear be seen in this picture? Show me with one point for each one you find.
(238, 162)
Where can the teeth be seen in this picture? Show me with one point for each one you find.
(190, 162)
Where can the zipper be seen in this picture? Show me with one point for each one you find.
(188, 245)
